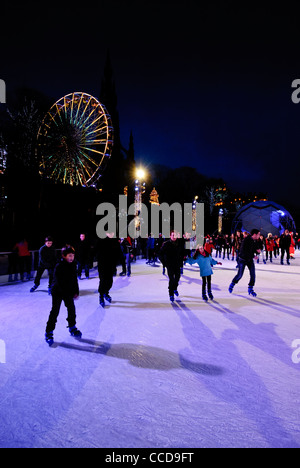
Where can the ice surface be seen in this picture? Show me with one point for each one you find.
(151, 374)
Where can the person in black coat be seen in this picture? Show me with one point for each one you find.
(284, 244)
(248, 250)
(108, 253)
(47, 261)
(171, 256)
(83, 256)
(64, 288)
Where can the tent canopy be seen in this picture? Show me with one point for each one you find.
(267, 216)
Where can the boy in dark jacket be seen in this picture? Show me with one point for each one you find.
(64, 288)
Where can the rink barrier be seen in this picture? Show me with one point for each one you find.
(4, 265)
(6, 268)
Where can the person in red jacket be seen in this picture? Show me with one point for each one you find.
(270, 244)
(24, 258)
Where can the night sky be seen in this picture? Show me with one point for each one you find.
(201, 85)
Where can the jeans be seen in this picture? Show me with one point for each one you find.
(241, 268)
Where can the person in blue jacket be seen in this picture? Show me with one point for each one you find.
(205, 263)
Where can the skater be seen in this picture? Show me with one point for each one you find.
(108, 253)
(24, 259)
(64, 288)
(47, 261)
(285, 243)
(171, 257)
(150, 250)
(270, 244)
(261, 246)
(247, 252)
(127, 253)
(205, 263)
(83, 256)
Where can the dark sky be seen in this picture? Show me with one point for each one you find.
(207, 85)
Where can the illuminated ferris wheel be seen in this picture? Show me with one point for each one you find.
(75, 140)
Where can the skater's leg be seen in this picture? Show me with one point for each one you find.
(71, 319)
(56, 303)
(209, 292)
(204, 283)
(176, 279)
(251, 267)
(238, 276)
(38, 276)
(51, 274)
(241, 269)
(171, 275)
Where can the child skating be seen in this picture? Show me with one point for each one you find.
(205, 263)
(64, 288)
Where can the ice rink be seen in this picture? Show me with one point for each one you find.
(151, 374)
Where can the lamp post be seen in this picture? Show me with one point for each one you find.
(220, 220)
(140, 188)
(194, 213)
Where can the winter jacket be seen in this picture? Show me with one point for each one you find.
(65, 281)
(285, 241)
(248, 249)
(108, 252)
(47, 257)
(270, 243)
(83, 251)
(205, 264)
(171, 254)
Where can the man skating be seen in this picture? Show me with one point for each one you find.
(248, 251)
(171, 256)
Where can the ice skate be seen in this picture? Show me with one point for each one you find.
(210, 295)
(172, 298)
(34, 287)
(204, 297)
(176, 293)
(75, 332)
(101, 301)
(49, 338)
(107, 297)
(251, 292)
(230, 289)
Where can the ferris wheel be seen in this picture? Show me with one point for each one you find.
(75, 140)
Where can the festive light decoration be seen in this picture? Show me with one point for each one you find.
(154, 197)
(75, 140)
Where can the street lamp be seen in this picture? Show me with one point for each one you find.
(139, 189)
(194, 213)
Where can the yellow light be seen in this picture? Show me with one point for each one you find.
(140, 173)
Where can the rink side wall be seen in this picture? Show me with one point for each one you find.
(6, 268)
